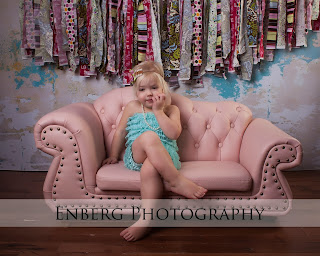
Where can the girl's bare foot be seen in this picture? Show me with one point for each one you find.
(135, 232)
(187, 188)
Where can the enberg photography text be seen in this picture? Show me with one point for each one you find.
(160, 214)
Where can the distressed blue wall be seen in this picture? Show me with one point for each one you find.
(285, 91)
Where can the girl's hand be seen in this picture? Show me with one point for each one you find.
(158, 102)
(110, 160)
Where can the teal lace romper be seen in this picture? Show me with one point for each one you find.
(137, 125)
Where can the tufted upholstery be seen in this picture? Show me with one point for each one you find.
(221, 148)
(211, 131)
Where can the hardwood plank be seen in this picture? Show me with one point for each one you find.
(162, 241)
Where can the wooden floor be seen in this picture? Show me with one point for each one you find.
(162, 241)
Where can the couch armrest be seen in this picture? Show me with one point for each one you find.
(265, 151)
(74, 136)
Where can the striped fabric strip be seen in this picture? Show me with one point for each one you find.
(272, 26)
(142, 33)
(36, 13)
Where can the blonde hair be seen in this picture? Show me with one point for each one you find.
(147, 69)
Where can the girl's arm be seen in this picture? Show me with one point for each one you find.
(168, 118)
(118, 141)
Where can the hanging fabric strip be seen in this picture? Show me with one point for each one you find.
(197, 32)
(96, 36)
(142, 33)
(246, 58)
(36, 13)
(252, 22)
(70, 16)
(82, 49)
(135, 33)
(104, 14)
(225, 28)
(265, 21)
(316, 25)
(149, 49)
(164, 39)
(22, 26)
(212, 36)
(55, 43)
(315, 9)
(241, 46)
(56, 5)
(205, 22)
(174, 34)
(281, 26)
(127, 78)
(272, 26)
(290, 21)
(256, 49)
(119, 39)
(219, 63)
(29, 25)
(186, 39)
(156, 45)
(46, 32)
(112, 5)
(309, 14)
(301, 39)
(234, 26)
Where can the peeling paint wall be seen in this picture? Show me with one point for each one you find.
(285, 91)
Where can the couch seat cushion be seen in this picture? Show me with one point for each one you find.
(213, 175)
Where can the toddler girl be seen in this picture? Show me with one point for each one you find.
(148, 129)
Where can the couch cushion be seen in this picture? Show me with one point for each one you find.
(213, 175)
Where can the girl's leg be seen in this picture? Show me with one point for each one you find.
(151, 188)
(149, 145)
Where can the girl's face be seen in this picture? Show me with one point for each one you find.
(147, 88)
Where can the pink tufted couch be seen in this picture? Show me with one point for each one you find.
(222, 148)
